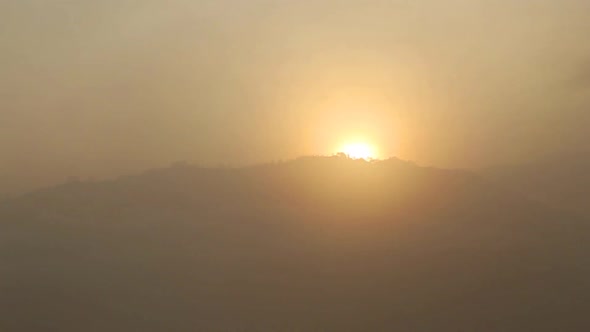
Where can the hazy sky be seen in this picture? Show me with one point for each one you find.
(100, 87)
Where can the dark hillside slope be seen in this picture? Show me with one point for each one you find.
(316, 244)
(562, 181)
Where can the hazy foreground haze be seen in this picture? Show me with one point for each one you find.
(444, 184)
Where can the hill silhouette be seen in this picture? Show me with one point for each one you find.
(314, 244)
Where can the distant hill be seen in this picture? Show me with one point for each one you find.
(562, 181)
(314, 244)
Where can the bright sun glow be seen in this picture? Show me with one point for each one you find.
(359, 151)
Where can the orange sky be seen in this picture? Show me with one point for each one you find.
(98, 88)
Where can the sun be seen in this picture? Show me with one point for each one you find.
(359, 151)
